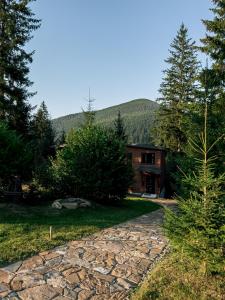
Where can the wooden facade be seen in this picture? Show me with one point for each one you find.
(149, 167)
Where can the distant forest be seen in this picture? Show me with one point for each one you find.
(138, 116)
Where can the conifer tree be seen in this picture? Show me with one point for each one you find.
(17, 22)
(178, 93)
(89, 113)
(120, 128)
(197, 230)
(214, 77)
(43, 132)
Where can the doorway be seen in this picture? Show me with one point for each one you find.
(150, 184)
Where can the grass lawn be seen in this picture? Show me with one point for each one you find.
(173, 279)
(24, 230)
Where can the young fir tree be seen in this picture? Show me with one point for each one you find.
(16, 25)
(120, 129)
(214, 47)
(178, 93)
(197, 230)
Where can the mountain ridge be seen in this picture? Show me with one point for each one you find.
(138, 116)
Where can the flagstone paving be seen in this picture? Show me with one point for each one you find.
(103, 266)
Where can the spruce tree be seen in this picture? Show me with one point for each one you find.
(43, 133)
(214, 77)
(17, 22)
(120, 128)
(197, 230)
(178, 93)
(89, 113)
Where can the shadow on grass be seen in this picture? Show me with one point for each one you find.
(96, 215)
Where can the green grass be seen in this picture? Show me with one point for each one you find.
(176, 279)
(24, 230)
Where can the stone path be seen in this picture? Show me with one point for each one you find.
(103, 266)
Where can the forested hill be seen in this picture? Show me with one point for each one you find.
(137, 114)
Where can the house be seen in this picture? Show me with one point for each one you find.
(149, 167)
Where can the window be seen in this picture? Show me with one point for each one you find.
(129, 156)
(148, 158)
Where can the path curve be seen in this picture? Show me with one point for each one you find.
(103, 266)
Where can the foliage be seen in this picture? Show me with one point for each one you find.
(24, 230)
(138, 118)
(43, 134)
(213, 79)
(178, 91)
(89, 113)
(15, 155)
(92, 164)
(178, 278)
(17, 22)
(198, 229)
(120, 129)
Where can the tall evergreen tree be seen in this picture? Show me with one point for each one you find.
(120, 129)
(43, 132)
(214, 42)
(178, 93)
(16, 25)
(214, 77)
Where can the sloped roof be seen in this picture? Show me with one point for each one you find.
(146, 146)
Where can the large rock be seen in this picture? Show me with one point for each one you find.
(57, 204)
(71, 203)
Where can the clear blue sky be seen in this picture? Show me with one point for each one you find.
(115, 47)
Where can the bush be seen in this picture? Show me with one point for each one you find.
(93, 164)
(14, 154)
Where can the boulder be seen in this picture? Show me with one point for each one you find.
(71, 203)
(57, 204)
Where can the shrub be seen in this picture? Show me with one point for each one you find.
(14, 154)
(93, 164)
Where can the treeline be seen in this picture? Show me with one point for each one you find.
(25, 136)
(138, 116)
(92, 162)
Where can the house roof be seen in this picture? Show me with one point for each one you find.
(146, 146)
(149, 169)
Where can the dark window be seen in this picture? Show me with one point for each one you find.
(148, 158)
(129, 156)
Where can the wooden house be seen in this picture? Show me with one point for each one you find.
(149, 167)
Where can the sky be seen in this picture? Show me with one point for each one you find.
(116, 48)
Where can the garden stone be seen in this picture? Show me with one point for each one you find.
(71, 203)
(57, 204)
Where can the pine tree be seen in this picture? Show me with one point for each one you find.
(214, 77)
(120, 128)
(178, 93)
(197, 230)
(16, 25)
